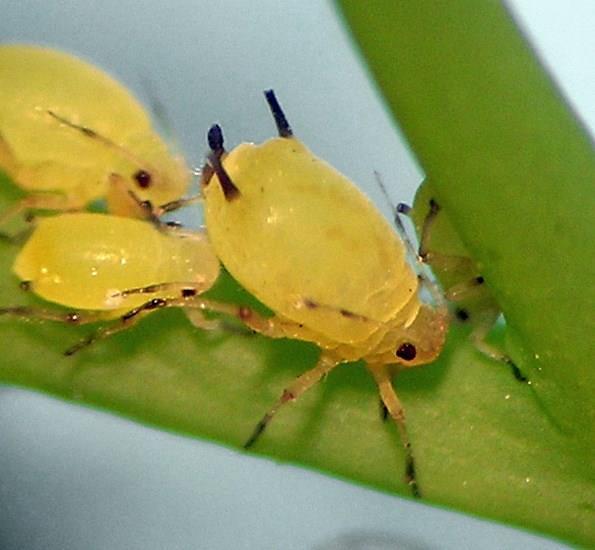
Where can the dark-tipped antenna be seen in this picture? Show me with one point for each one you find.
(283, 126)
(215, 140)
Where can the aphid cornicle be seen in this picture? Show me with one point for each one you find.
(115, 267)
(68, 130)
(310, 245)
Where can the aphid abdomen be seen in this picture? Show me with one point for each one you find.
(290, 214)
(188, 259)
(84, 261)
(67, 263)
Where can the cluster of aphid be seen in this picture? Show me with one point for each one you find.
(362, 300)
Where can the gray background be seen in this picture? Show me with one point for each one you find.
(72, 477)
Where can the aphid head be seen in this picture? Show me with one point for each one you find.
(143, 161)
(423, 341)
(153, 173)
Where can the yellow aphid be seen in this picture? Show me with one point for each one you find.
(306, 242)
(105, 266)
(68, 131)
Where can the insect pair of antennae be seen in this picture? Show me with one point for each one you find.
(215, 140)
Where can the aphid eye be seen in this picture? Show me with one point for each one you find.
(142, 178)
(462, 314)
(406, 351)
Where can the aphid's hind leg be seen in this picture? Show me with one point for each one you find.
(299, 386)
(70, 318)
(381, 374)
(32, 313)
(187, 299)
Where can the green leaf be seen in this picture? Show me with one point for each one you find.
(515, 173)
(483, 442)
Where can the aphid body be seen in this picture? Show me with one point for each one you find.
(111, 268)
(86, 260)
(67, 128)
(307, 243)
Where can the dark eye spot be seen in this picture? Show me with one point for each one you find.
(462, 314)
(406, 351)
(142, 178)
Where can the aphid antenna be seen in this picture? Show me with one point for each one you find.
(159, 110)
(430, 285)
(90, 133)
(283, 127)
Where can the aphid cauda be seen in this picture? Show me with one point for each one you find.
(68, 131)
(308, 244)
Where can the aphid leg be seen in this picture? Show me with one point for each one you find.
(381, 374)
(79, 318)
(177, 204)
(182, 289)
(32, 313)
(106, 332)
(441, 262)
(300, 385)
(187, 299)
(471, 288)
(478, 336)
(123, 201)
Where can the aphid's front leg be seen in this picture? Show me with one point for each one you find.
(300, 385)
(177, 204)
(32, 313)
(381, 374)
(123, 201)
